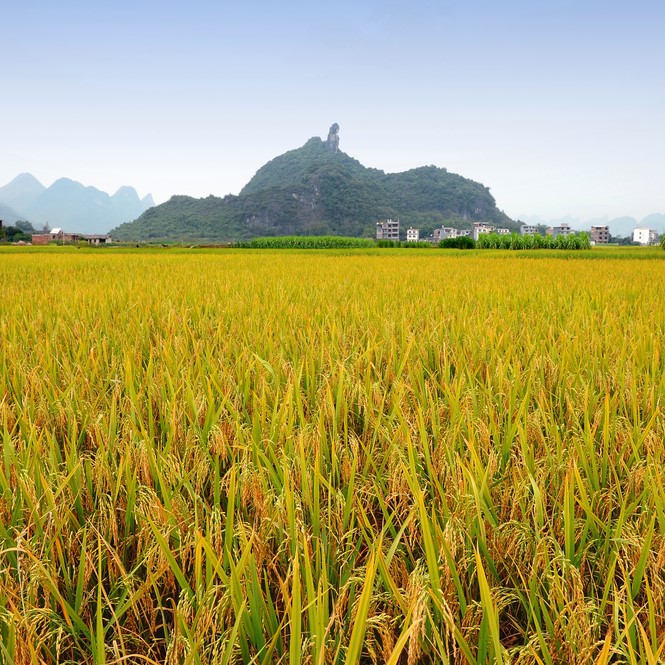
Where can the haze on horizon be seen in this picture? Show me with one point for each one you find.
(556, 106)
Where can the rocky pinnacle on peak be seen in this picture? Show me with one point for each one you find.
(333, 138)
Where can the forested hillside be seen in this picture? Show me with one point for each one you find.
(319, 190)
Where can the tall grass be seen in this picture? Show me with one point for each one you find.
(403, 458)
(572, 241)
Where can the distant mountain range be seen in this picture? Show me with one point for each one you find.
(619, 226)
(8, 215)
(69, 204)
(318, 190)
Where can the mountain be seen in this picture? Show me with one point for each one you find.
(71, 205)
(147, 201)
(8, 215)
(655, 221)
(20, 193)
(620, 226)
(623, 226)
(318, 189)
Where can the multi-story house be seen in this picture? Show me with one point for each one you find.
(481, 227)
(387, 230)
(563, 230)
(600, 234)
(644, 236)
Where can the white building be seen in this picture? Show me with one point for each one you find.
(481, 227)
(412, 235)
(645, 236)
(444, 232)
(528, 230)
(503, 232)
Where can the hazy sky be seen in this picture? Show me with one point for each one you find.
(557, 106)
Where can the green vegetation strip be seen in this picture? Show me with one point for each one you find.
(533, 241)
(307, 242)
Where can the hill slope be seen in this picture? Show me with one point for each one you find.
(317, 190)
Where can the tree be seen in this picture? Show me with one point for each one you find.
(25, 226)
(461, 242)
(12, 234)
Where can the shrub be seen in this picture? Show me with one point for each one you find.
(462, 242)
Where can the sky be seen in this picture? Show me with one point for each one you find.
(558, 106)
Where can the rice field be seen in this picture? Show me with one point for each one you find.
(332, 457)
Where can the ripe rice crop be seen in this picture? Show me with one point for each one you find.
(331, 457)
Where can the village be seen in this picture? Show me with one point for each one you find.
(387, 229)
(17, 236)
(599, 235)
(57, 235)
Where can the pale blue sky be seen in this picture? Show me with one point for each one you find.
(558, 107)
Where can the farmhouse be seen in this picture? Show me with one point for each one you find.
(481, 227)
(97, 239)
(600, 235)
(563, 230)
(387, 230)
(645, 236)
(443, 233)
(59, 236)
